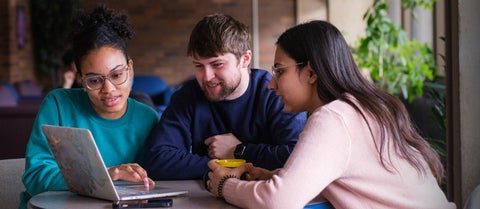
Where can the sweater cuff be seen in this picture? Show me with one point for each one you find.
(229, 188)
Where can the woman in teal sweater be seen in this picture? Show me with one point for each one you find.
(119, 124)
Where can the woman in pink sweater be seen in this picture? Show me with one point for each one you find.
(358, 149)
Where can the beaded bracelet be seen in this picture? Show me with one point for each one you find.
(221, 183)
(206, 179)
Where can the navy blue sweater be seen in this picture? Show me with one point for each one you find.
(176, 148)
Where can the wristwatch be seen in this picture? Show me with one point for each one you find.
(239, 151)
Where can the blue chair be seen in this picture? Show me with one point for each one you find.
(156, 88)
(320, 205)
(8, 95)
(28, 90)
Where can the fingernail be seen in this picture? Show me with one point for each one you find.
(145, 182)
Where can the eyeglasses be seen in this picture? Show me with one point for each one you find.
(278, 71)
(116, 77)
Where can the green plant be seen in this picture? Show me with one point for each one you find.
(396, 63)
(400, 65)
(440, 117)
(439, 114)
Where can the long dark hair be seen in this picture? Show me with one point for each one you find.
(100, 27)
(321, 44)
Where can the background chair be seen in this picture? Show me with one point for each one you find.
(8, 95)
(29, 89)
(17, 115)
(11, 182)
(156, 88)
(473, 201)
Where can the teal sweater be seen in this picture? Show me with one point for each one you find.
(119, 141)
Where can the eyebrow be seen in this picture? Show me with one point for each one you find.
(209, 63)
(115, 68)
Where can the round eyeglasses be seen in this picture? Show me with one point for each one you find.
(116, 77)
(277, 71)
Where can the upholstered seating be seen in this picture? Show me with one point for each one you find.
(155, 87)
(8, 96)
(11, 182)
(473, 201)
(17, 114)
(29, 89)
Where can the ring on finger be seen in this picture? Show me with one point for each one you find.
(209, 186)
(206, 181)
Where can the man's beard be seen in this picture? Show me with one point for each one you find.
(225, 91)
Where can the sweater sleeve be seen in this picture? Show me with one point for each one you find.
(285, 129)
(320, 156)
(41, 169)
(169, 153)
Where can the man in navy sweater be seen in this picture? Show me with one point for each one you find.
(226, 112)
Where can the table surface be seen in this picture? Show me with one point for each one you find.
(197, 198)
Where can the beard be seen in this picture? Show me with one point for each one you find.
(225, 91)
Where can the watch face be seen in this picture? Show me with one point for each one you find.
(239, 151)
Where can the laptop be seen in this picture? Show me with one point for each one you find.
(85, 172)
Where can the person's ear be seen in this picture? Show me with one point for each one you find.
(130, 63)
(246, 59)
(131, 73)
(312, 74)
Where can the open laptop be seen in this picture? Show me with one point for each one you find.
(85, 172)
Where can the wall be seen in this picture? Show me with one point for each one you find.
(346, 15)
(4, 44)
(463, 100)
(16, 62)
(163, 29)
(469, 98)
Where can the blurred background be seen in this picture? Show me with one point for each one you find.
(432, 60)
(34, 33)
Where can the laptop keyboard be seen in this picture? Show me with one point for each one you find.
(125, 191)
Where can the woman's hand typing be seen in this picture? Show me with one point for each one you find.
(130, 172)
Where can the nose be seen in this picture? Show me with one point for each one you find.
(208, 73)
(272, 85)
(107, 86)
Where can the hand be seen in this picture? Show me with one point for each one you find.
(257, 173)
(69, 77)
(218, 172)
(222, 146)
(130, 172)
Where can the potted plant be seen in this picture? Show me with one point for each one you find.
(405, 68)
(395, 62)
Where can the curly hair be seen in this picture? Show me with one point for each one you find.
(100, 27)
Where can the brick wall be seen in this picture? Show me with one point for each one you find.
(16, 62)
(162, 30)
(4, 44)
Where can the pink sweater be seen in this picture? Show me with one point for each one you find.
(336, 157)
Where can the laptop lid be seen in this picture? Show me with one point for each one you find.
(83, 168)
